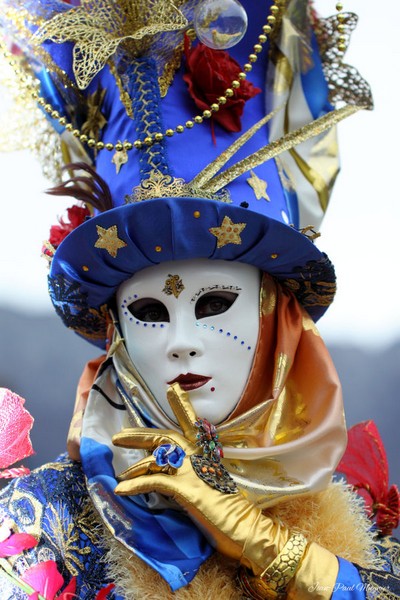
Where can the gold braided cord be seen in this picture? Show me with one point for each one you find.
(276, 147)
(98, 27)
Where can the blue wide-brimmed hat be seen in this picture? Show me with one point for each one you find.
(246, 179)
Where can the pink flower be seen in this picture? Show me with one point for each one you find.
(14, 543)
(15, 425)
(47, 581)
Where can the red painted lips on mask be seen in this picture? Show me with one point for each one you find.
(190, 381)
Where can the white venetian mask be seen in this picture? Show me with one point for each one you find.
(195, 322)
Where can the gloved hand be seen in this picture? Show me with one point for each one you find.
(233, 525)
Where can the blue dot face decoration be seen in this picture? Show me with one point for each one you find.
(194, 322)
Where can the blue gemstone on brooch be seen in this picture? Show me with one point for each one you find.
(169, 454)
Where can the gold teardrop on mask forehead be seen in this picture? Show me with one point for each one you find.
(173, 286)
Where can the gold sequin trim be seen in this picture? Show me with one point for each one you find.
(228, 232)
(276, 147)
(108, 240)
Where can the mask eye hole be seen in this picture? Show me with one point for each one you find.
(149, 310)
(214, 303)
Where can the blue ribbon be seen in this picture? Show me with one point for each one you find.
(167, 540)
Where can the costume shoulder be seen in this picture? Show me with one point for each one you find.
(52, 504)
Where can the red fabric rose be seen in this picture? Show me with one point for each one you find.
(208, 74)
(76, 216)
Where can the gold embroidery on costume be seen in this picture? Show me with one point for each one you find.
(371, 582)
(228, 232)
(95, 120)
(173, 286)
(31, 519)
(171, 66)
(65, 535)
(98, 28)
(259, 186)
(123, 94)
(108, 240)
(86, 521)
(158, 185)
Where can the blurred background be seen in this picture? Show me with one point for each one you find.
(42, 361)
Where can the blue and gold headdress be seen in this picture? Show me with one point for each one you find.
(247, 178)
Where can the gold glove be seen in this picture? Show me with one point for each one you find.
(234, 526)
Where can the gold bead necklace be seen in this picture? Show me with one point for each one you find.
(157, 137)
(341, 29)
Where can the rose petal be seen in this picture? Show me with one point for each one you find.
(68, 592)
(208, 74)
(44, 578)
(16, 544)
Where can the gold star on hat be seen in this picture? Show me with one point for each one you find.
(109, 240)
(228, 232)
(259, 186)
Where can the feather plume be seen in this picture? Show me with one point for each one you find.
(90, 189)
